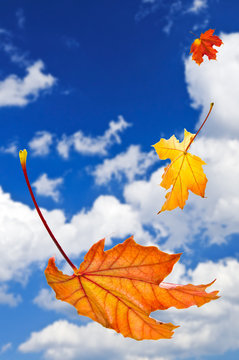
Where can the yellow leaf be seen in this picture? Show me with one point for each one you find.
(184, 173)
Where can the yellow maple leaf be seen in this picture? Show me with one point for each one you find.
(185, 171)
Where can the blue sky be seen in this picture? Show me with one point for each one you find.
(87, 87)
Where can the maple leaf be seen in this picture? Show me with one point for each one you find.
(185, 171)
(204, 46)
(120, 287)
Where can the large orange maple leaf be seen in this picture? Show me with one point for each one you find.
(185, 171)
(119, 288)
(204, 46)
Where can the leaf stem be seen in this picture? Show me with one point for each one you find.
(23, 155)
(193, 138)
(194, 34)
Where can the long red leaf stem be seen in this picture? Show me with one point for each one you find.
(23, 164)
(193, 138)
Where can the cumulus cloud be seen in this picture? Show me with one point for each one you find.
(111, 219)
(211, 329)
(128, 164)
(48, 187)
(213, 218)
(89, 145)
(107, 217)
(41, 143)
(7, 298)
(218, 82)
(23, 239)
(16, 91)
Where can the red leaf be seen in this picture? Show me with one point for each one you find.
(204, 46)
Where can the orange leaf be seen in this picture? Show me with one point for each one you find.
(120, 287)
(204, 46)
(184, 173)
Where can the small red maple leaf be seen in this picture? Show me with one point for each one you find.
(204, 46)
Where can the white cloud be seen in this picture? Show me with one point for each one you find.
(15, 91)
(24, 241)
(197, 6)
(89, 145)
(10, 149)
(218, 82)
(129, 164)
(209, 330)
(7, 298)
(214, 218)
(111, 219)
(48, 187)
(41, 142)
(46, 300)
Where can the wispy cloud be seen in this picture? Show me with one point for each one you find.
(20, 18)
(16, 55)
(197, 6)
(7, 298)
(16, 91)
(171, 10)
(48, 187)
(71, 42)
(127, 165)
(174, 10)
(146, 8)
(10, 149)
(89, 145)
(41, 143)
(5, 347)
